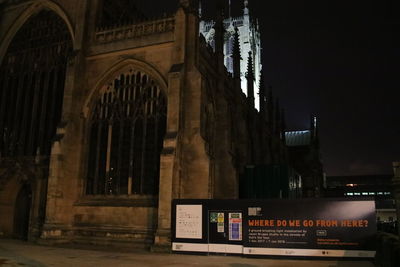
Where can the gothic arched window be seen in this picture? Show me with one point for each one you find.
(127, 128)
(32, 77)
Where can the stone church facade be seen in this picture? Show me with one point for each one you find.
(104, 122)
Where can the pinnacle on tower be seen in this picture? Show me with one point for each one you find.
(250, 71)
(229, 9)
(313, 126)
(236, 54)
(200, 10)
(250, 80)
(246, 9)
(219, 32)
(314, 130)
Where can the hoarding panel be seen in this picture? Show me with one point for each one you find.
(321, 225)
(296, 227)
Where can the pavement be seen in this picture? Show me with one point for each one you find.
(20, 253)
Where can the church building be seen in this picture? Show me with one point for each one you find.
(105, 119)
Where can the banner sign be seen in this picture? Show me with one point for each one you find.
(309, 226)
(291, 227)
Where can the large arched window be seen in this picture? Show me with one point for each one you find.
(127, 127)
(32, 76)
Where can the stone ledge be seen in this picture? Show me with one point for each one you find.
(117, 202)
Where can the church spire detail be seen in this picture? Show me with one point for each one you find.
(236, 54)
(219, 33)
(200, 10)
(246, 9)
(229, 9)
(250, 79)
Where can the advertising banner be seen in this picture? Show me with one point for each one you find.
(311, 228)
(291, 227)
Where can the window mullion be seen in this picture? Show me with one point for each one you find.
(119, 156)
(52, 110)
(34, 111)
(17, 112)
(143, 154)
(108, 159)
(42, 123)
(4, 97)
(131, 157)
(97, 159)
(23, 134)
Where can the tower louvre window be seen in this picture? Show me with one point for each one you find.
(127, 128)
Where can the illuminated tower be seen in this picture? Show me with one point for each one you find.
(249, 39)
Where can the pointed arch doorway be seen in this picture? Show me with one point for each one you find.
(22, 210)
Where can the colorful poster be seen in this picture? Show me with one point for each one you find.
(220, 226)
(235, 226)
(213, 217)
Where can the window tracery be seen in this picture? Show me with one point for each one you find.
(127, 128)
(32, 77)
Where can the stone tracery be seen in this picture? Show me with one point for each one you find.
(127, 127)
(32, 86)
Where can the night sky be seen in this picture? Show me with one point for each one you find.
(339, 60)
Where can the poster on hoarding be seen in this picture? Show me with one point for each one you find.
(220, 220)
(235, 226)
(188, 221)
(311, 228)
(213, 217)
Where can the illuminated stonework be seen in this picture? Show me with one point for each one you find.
(249, 39)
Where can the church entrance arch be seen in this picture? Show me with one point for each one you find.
(22, 210)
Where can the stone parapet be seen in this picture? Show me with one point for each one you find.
(125, 32)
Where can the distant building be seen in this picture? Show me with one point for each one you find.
(378, 187)
(305, 158)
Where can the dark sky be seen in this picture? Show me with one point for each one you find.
(339, 60)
